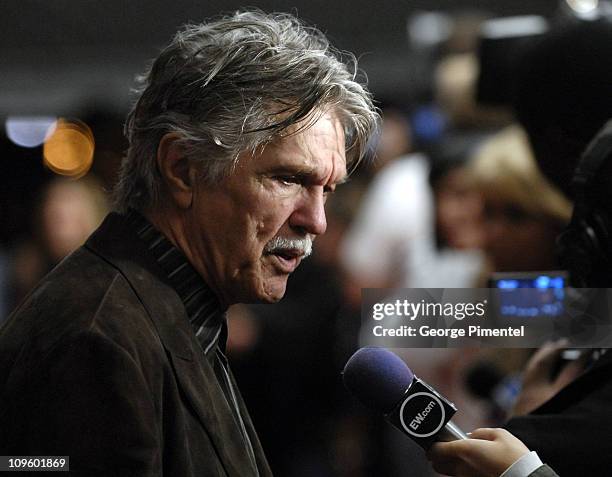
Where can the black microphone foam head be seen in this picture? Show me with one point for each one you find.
(377, 377)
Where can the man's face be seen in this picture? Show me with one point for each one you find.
(236, 226)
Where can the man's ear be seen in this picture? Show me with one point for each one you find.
(177, 171)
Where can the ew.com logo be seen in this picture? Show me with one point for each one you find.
(422, 414)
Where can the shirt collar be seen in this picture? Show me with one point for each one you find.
(204, 311)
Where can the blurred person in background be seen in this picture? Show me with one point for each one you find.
(397, 215)
(69, 211)
(394, 141)
(393, 219)
(562, 99)
(457, 259)
(455, 78)
(522, 214)
(117, 357)
(522, 211)
(500, 202)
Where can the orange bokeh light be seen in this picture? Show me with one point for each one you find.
(69, 150)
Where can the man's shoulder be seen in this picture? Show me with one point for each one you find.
(84, 293)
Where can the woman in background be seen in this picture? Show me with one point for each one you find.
(68, 212)
(522, 212)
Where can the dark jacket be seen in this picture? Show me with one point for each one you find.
(543, 471)
(571, 431)
(100, 364)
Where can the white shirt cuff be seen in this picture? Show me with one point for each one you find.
(523, 466)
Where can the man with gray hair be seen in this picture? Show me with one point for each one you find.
(242, 127)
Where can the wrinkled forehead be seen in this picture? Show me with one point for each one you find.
(319, 139)
(341, 130)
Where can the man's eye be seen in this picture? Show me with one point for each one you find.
(287, 180)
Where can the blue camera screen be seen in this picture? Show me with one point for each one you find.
(541, 295)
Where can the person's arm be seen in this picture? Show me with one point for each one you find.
(538, 384)
(565, 421)
(487, 453)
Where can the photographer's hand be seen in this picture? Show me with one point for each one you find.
(537, 384)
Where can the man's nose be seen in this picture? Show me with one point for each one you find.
(309, 215)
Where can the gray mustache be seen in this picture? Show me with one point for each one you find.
(278, 244)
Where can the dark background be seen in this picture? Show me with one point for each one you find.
(59, 53)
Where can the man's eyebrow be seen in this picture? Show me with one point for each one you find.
(295, 170)
(302, 172)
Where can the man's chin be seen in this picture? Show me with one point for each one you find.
(270, 284)
(269, 290)
(275, 292)
(274, 289)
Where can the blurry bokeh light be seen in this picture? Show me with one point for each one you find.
(428, 123)
(427, 29)
(587, 10)
(583, 7)
(29, 131)
(69, 149)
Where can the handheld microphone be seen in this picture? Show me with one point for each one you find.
(383, 382)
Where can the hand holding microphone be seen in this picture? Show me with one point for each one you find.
(487, 453)
(383, 382)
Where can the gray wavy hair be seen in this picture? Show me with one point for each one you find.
(234, 84)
